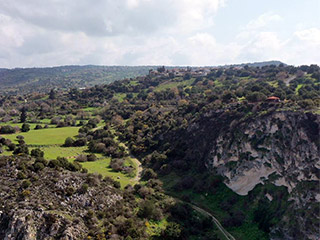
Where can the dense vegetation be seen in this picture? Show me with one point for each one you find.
(26, 80)
(156, 118)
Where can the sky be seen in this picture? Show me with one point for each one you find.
(37, 33)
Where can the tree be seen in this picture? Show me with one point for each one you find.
(52, 94)
(23, 115)
(148, 174)
(172, 231)
(227, 96)
(7, 129)
(148, 210)
(37, 153)
(25, 127)
(68, 142)
(256, 97)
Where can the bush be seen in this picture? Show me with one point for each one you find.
(116, 184)
(117, 164)
(37, 153)
(91, 157)
(84, 188)
(7, 129)
(68, 142)
(148, 210)
(38, 166)
(12, 147)
(21, 175)
(171, 232)
(148, 174)
(80, 142)
(256, 97)
(25, 183)
(25, 127)
(81, 158)
(38, 127)
(21, 149)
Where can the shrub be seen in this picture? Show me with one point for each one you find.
(12, 147)
(21, 175)
(37, 152)
(25, 193)
(38, 127)
(7, 129)
(148, 210)
(21, 149)
(68, 142)
(91, 157)
(69, 191)
(171, 232)
(80, 142)
(25, 183)
(117, 164)
(38, 166)
(148, 174)
(84, 188)
(116, 184)
(81, 158)
(25, 127)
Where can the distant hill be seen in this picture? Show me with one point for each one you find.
(256, 64)
(26, 80)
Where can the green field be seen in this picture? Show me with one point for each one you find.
(50, 141)
(169, 85)
(52, 152)
(101, 166)
(50, 136)
(120, 96)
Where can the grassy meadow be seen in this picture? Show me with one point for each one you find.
(50, 141)
(48, 136)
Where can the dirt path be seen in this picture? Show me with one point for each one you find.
(204, 212)
(216, 221)
(139, 169)
(289, 79)
(137, 178)
(135, 160)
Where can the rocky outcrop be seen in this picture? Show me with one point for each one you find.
(281, 148)
(52, 203)
(282, 144)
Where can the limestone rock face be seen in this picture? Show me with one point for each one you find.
(281, 148)
(282, 144)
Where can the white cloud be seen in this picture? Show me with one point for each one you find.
(311, 35)
(142, 32)
(263, 20)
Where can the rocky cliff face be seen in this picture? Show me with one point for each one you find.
(282, 144)
(281, 148)
(50, 204)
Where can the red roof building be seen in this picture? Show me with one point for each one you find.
(273, 99)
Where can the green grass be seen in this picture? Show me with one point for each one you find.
(172, 84)
(154, 228)
(50, 136)
(89, 109)
(52, 152)
(212, 202)
(273, 84)
(298, 88)
(48, 140)
(133, 83)
(119, 96)
(101, 166)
